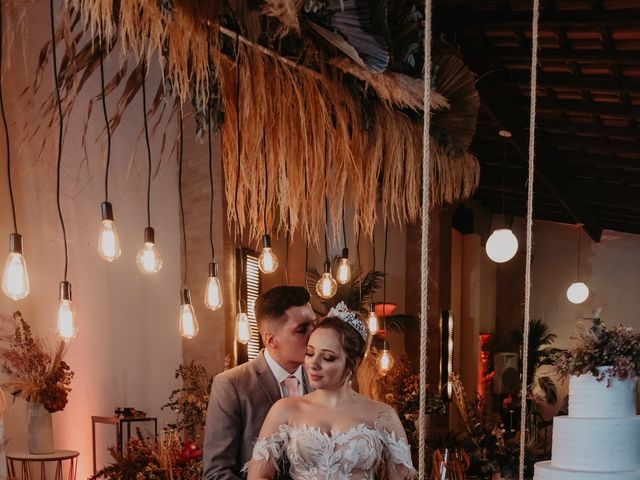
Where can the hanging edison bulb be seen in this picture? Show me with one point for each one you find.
(149, 260)
(502, 245)
(385, 361)
(66, 323)
(343, 275)
(15, 278)
(213, 292)
(326, 286)
(372, 320)
(267, 261)
(108, 239)
(187, 319)
(243, 328)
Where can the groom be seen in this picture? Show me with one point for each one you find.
(241, 397)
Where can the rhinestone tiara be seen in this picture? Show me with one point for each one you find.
(343, 313)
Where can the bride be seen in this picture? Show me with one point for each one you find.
(333, 433)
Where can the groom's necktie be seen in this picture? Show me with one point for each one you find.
(290, 387)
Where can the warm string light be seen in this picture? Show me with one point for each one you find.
(385, 359)
(108, 238)
(267, 261)
(372, 320)
(502, 244)
(343, 275)
(578, 292)
(15, 277)
(66, 322)
(213, 291)
(326, 286)
(148, 259)
(187, 320)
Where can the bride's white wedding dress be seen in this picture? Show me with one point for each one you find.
(355, 454)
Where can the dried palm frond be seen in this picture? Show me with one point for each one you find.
(287, 12)
(457, 125)
(395, 89)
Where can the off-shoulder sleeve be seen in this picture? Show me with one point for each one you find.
(267, 452)
(398, 457)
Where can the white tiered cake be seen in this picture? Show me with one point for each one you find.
(600, 439)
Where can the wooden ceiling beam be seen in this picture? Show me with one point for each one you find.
(501, 19)
(548, 174)
(595, 108)
(628, 57)
(570, 82)
(589, 128)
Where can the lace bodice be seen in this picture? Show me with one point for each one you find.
(354, 454)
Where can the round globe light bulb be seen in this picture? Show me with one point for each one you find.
(149, 260)
(577, 292)
(267, 261)
(501, 245)
(326, 286)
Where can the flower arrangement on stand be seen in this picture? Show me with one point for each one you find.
(491, 451)
(177, 453)
(599, 347)
(35, 371)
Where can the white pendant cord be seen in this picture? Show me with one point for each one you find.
(527, 276)
(424, 265)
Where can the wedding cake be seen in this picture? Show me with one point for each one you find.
(600, 438)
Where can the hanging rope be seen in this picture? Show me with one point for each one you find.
(424, 265)
(527, 275)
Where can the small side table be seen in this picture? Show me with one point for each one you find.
(119, 423)
(24, 461)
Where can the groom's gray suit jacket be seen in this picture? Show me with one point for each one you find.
(239, 402)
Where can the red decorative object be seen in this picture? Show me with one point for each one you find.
(191, 451)
(385, 309)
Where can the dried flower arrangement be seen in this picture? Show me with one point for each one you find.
(190, 402)
(618, 348)
(35, 371)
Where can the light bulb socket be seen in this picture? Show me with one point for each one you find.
(149, 235)
(65, 291)
(345, 253)
(15, 243)
(185, 297)
(266, 241)
(372, 307)
(213, 269)
(107, 211)
(327, 266)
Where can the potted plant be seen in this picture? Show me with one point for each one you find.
(36, 373)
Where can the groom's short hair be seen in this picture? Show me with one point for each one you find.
(272, 305)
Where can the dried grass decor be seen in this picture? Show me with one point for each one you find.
(316, 135)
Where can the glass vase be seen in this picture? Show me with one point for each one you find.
(39, 429)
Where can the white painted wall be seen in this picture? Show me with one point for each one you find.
(610, 268)
(128, 345)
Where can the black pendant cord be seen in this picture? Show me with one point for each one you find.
(578, 270)
(6, 126)
(213, 251)
(306, 262)
(60, 135)
(237, 132)
(286, 258)
(266, 184)
(106, 119)
(184, 230)
(210, 153)
(384, 277)
(360, 272)
(146, 137)
(373, 251)
(504, 176)
(326, 206)
(344, 230)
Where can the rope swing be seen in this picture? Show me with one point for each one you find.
(527, 275)
(424, 265)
